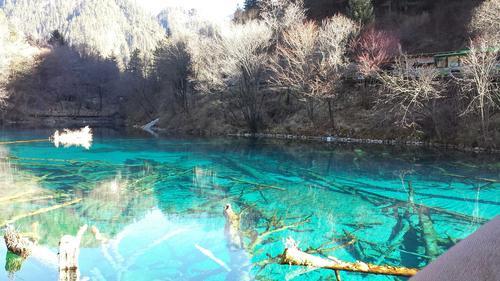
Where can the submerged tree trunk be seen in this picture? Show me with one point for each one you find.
(429, 234)
(237, 251)
(232, 227)
(69, 250)
(293, 256)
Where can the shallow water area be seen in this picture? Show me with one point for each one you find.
(157, 204)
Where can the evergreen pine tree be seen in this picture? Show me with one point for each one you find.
(361, 11)
(136, 63)
(250, 4)
(56, 38)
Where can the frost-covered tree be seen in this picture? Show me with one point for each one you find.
(38, 19)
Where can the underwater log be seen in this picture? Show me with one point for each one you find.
(41, 211)
(429, 234)
(294, 256)
(149, 127)
(209, 254)
(16, 196)
(23, 141)
(69, 250)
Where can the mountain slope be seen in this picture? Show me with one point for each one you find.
(97, 27)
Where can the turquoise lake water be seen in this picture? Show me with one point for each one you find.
(158, 205)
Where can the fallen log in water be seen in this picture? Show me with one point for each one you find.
(429, 234)
(16, 196)
(23, 141)
(40, 211)
(397, 236)
(235, 235)
(149, 127)
(353, 189)
(209, 254)
(323, 248)
(256, 184)
(294, 256)
(357, 248)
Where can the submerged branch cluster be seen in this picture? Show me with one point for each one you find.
(294, 256)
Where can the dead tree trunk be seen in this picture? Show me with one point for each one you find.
(294, 256)
(232, 227)
(429, 234)
(69, 250)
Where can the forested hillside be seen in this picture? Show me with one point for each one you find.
(344, 68)
(423, 25)
(16, 55)
(88, 45)
(95, 27)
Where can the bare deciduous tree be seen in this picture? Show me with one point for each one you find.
(293, 68)
(233, 61)
(375, 48)
(281, 15)
(480, 82)
(16, 55)
(411, 92)
(486, 21)
(311, 60)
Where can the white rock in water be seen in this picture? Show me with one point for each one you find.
(67, 138)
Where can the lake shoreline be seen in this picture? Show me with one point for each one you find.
(107, 122)
(349, 140)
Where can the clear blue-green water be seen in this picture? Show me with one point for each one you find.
(158, 204)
